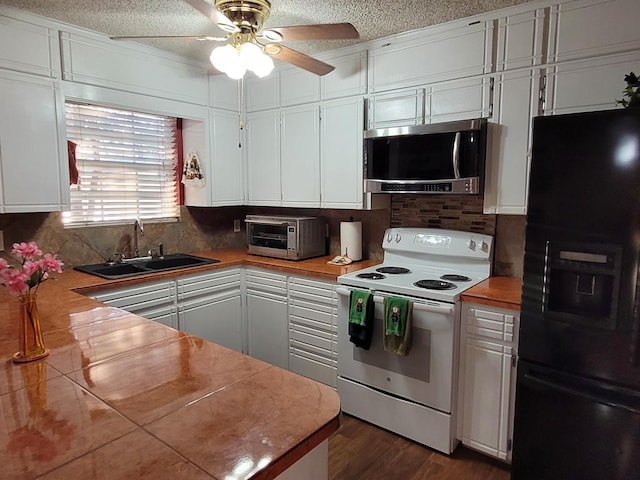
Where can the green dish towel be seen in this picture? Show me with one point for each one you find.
(398, 314)
(359, 307)
(361, 319)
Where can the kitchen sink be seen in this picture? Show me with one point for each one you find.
(133, 267)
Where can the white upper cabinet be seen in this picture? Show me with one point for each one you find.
(262, 93)
(458, 100)
(34, 168)
(587, 28)
(300, 159)
(588, 85)
(227, 169)
(509, 142)
(263, 158)
(95, 60)
(348, 78)
(298, 86)
(30, 48)
(520, 40)
(447, 52)
(396, 109)
(224, 92)
(341, 180)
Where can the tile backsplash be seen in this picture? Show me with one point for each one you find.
(206, 228)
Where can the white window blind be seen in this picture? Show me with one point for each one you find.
(126, 166)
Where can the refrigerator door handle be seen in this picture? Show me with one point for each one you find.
(617, 398)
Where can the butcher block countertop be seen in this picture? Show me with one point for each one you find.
(122, 397)
(502, 292)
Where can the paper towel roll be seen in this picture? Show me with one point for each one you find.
(351, 240)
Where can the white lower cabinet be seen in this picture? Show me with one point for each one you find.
(154, 300)
(266, 300)
(210, 307)
(313, 329)
(487, 379)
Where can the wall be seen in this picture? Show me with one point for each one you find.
(206, 228)
(198, 229)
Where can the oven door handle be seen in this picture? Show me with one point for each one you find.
(421, 305)
(266, 222)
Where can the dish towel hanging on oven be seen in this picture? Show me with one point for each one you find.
(360, 318)
(398, 314)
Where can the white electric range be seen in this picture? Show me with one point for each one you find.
(412, 395)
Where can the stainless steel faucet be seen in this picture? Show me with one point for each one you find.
(137, 224)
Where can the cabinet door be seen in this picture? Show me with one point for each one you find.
(263, 158)
(217, 318)
(520, 39)
(33, 177)
(588, 28)
(397, 109)
(588, 85)
(227, 172)
(301, 156)
(348, 78)
(267, 325)
(487, 395)
(298, 86)
(341, 178)
(263, 93)
(509, 142)
(458, 100)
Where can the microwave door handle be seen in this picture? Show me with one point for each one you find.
(456, 156)
(266, 222)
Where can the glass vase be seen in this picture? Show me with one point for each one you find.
(31, 346)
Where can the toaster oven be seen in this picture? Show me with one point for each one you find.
(291, 238)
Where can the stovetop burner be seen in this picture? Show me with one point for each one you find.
(455, 278)
(434, 284)
(393, 270)
(371, 276)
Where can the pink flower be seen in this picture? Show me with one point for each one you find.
(31, 271)
(15, 281)
(26, 251)
(51, 262)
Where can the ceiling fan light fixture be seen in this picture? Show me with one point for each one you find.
(272, 35)
(236, 60)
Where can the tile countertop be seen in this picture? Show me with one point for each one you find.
(163, 403)
(502, 292)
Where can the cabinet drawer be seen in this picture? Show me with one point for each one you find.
(312, 340)
(268, 282)
(139, 297)
(301, 309)
(209, 282)
(491, 324)
(309, 365)
(311, 290)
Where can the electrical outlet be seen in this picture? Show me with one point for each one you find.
(1, 241)
(236, 225)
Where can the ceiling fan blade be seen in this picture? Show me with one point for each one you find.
(213, 14)
(321, 31)
(298, 59)
(195, 37)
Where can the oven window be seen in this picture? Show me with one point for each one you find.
(268, 236)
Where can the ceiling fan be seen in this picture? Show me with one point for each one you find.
(250, 47)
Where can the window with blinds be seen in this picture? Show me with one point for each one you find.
(126, 165)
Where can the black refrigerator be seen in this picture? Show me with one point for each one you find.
(577, 413)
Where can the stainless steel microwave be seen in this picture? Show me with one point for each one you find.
(436, 158)
(291, 238)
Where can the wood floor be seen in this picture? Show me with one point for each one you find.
(359, 450)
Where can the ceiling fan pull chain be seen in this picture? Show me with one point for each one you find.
(240, 110)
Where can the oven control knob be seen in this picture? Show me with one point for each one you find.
(389, 237)
(398, 237)
(471, 244)
(484, 247)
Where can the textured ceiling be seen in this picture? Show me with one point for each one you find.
(373, 18)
